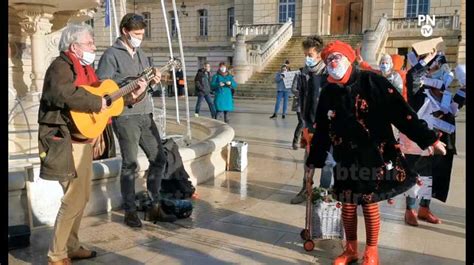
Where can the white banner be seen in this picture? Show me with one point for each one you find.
(288, 78)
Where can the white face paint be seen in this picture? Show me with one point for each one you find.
(337, 70)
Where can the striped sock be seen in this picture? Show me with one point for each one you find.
(372, 223)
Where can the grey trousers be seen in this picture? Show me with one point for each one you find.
(134, 131)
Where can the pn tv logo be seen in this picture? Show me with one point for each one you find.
(429, 23)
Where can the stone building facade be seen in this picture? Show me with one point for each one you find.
(215, 43)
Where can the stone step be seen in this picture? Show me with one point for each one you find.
(262, 85)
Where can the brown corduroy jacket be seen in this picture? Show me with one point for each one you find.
(59, 96)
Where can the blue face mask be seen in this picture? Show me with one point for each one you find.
(310, 61)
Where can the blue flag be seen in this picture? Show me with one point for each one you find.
(107, 13)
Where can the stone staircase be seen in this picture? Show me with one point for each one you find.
(261, 84)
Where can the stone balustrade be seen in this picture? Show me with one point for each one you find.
(256, 29)
(252, 59)
(374, 40)
(442, 22)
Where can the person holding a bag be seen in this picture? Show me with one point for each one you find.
(354, 116)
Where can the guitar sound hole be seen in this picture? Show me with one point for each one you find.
(108, 100)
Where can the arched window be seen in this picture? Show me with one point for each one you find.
(203, 23)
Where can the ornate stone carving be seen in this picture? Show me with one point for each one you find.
(35, 22)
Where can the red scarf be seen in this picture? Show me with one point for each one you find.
(343, 80)
(85, 75)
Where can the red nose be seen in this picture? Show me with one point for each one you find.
(334, 64)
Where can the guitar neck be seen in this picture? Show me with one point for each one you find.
(133, 85)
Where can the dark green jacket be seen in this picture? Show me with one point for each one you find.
(59, 96)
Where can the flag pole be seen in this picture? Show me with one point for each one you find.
(168, 34)
(183, 67)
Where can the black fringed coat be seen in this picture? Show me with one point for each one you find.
(356, 119)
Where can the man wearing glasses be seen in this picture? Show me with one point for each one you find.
(135, 126)
(65, 156)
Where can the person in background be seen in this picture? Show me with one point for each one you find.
(203, 89)
(306, 88)
(287, 63)
(282, 92)
(398, 61)
(180, 82)
(223, 85)
(385, 69)
(438, 108)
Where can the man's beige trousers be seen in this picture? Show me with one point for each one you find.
(76, 195)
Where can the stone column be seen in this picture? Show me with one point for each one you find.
(36, 24)
(242, 69)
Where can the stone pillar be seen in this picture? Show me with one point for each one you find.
(36, 24)
(242, 69)
(11, 90)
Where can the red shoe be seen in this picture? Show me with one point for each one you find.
(349, 255)
(425, 214)
(410, 218)
(371, 256)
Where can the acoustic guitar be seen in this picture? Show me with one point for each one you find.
(91, 125)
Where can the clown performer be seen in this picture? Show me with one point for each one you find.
(438, 107)
(354, 116)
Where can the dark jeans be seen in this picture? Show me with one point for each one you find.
(299, 128)
(226, 118)
(209, 103)
(133, 131)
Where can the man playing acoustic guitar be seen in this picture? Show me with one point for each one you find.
(135, 126)
(64, 157)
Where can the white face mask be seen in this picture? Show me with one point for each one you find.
(87, 58)
(223, 69)
(340, 70)
(384, 68)
(135, 42)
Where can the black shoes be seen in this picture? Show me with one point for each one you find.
(283, 116)
(156, 213)
(273, 116)
(131, 219)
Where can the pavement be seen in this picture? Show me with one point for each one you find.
(245, 217)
